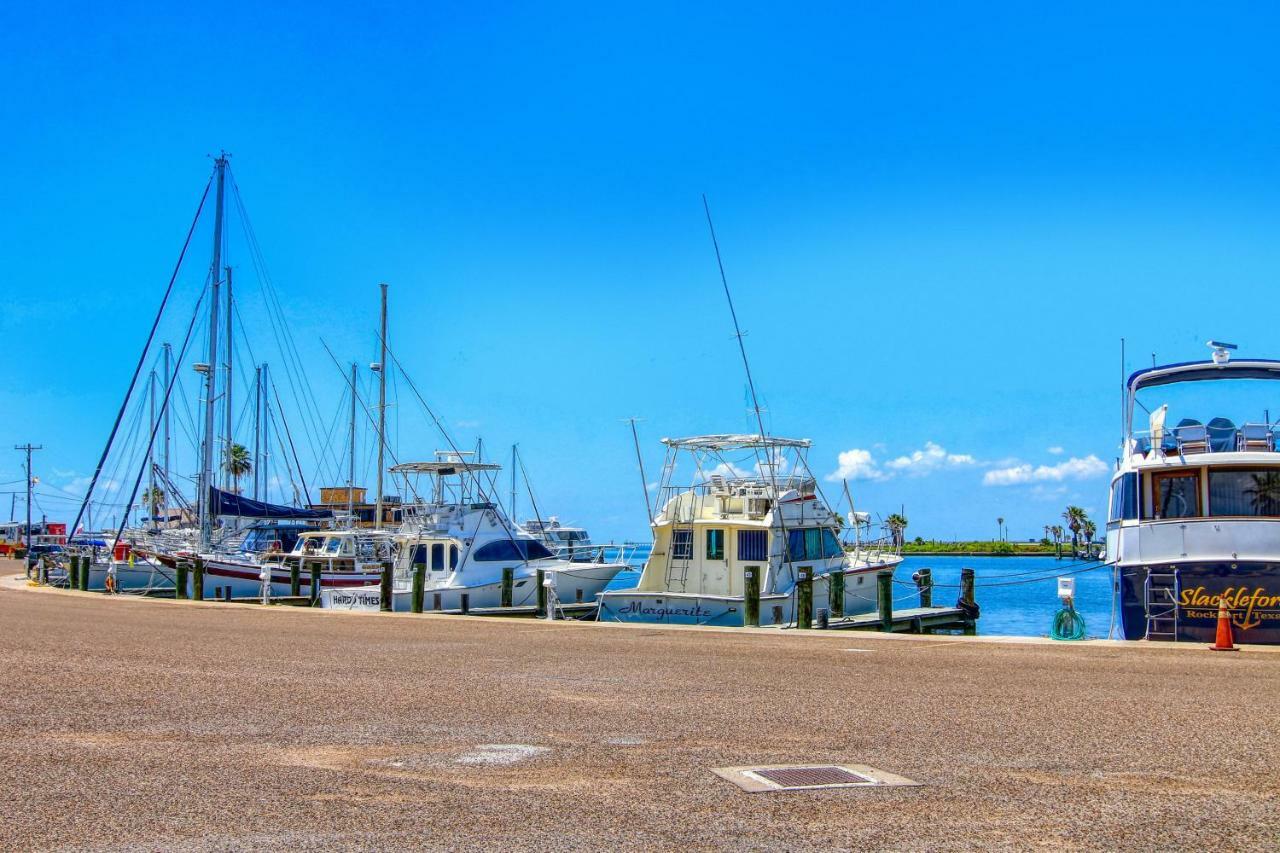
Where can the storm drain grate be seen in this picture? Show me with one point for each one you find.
(809, 777)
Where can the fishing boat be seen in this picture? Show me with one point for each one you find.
(564, 541)
(1194, 515)
(765, 525)
(464, 545)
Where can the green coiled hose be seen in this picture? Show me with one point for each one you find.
(1067, 623)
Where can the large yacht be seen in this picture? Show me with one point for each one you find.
(1195, 507)
(768, 520)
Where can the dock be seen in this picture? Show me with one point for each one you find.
(912, 620)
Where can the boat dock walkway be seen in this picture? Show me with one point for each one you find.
(914, 620)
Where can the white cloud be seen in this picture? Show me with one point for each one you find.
(1072, 469)
(930, 459)
(1055, 450)
(856, 464)
(859, 464)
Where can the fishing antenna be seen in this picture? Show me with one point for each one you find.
(644, 481)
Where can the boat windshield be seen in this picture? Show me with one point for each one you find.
(1209, 415)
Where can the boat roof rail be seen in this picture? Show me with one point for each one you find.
(1194, 371)
(735, 442)
(443, 469)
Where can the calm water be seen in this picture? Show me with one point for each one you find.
(1018, 595)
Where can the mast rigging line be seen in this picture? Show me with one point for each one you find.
(170, 381)
(142, 357)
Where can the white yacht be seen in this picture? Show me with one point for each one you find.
(569, 543)
(768, 524)
(464, 544)
(1195, 507)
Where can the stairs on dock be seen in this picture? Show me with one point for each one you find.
(1160, 595)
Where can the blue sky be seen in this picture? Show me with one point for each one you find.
(938, 221)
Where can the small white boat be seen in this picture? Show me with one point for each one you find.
(733, 525)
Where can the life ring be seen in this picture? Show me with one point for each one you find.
(111, 582)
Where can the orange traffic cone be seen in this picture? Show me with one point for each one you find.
(1224, 641)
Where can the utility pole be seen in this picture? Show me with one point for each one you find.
(27, 448)
(382, 406)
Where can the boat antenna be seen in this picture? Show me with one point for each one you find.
(644, 481)
(737, 330)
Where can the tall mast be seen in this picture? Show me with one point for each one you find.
(150, 502)
(257, 429)
(226, 403)
(266, 433)
(382, 406)
(164, 448)
(210, 377)
(513, 483)
(351, 465)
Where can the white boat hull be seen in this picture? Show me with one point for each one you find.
(582, 583)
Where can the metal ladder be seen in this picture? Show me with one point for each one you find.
(678, 567)
(1160, 594)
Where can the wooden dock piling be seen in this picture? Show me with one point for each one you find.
(835, 594)
(419, 586)
(295, 579)
(804, 597)
(197, 580)
(315, 582)
(968, 601)
(884, 598)
(539, 578)
(508, 585)
(86, 565)
(751, 597)
(180, 579)
(384, 588)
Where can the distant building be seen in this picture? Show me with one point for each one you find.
(335, 498)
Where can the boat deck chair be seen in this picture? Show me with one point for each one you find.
(1255, 437)
(1192, 437)
(1222, 435)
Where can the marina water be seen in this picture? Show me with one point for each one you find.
(1018, 595)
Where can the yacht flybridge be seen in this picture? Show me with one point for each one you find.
(753, 513)
(1195, 507)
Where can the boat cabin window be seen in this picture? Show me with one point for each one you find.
(333, 546)
(753, 545)
(437, 557)
(309, 545)
(511, 549)
(1124, 498)
(715, 544)
(682, 544)
(1245, 492)
(1176, 495)
(453, 556)
(812, 543)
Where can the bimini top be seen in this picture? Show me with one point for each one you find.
(1195, 371)
(444, 468)
(735, 442)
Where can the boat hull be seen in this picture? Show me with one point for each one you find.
(244, 580)
(1252, 589)
(676, 608)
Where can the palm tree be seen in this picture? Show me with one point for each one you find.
(1058, 535)
(1075, 517)
(153, 499)
(897, 524)
(1089, 529)
(238, 464)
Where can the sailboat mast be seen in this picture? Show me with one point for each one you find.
(513, 483)
(266, 433)
(210, 377)
(382, 407)
(164, 449)
(351, 465)
(150, 502)
(226, 403)
(257, 429)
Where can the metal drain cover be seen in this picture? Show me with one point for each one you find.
(809, 777)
